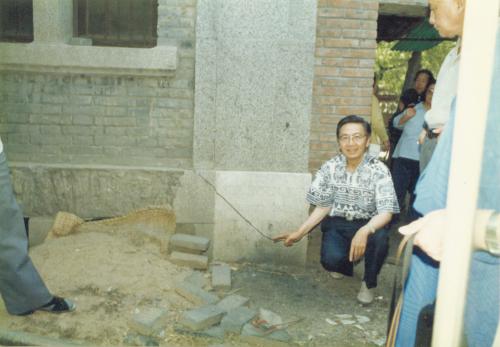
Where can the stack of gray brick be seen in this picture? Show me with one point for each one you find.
(189, 250)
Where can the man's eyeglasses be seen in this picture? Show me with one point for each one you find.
(356, 138)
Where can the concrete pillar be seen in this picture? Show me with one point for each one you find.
(52, 21)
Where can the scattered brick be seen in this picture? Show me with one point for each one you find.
(202, 318)
(195, 294)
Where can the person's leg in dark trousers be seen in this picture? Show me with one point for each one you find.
(405, 174)
(375, 254)
(413, 167)
(400, 178)
(335, 246)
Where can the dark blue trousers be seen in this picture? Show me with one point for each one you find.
(336, 244)
(405, 174)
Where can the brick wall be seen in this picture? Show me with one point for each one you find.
(345, 57)
(89, 119)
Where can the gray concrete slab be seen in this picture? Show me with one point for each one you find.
(195, 294)
(194, 261)
(221, 276)
(235, 319)
(149, 321)
(189, 243)
(202, 318)
(232, 301)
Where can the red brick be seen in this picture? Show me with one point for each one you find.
(330, 119)
(331, 12)
(328, 32)
(326, 71)
(342, 43)
(320, 146)
(342, 23)
(358, 110)
(331, 52)
(340, 62)
(358, 34)
(328, 138)
(348, 72)
(361, 14)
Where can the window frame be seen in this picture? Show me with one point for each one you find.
(120, 29)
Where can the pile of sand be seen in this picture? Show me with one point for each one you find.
(109, 275)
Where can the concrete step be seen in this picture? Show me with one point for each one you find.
(189, 243)
(194, 261)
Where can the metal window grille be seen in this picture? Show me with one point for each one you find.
(125, 23)
(16, 20)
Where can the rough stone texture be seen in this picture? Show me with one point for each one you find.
(232, 302)
(149, 321)
(234, 320)
(221, 276)
(272, 202)
(39, 227)
(195, 294)
(253, 84)
(343, 74)
(186, 242)
(53, 21)
(91, 192)
(194, 261)
(202, 318)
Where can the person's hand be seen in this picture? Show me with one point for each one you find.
(358, 244)
(421, 137)
(386, 146)
(289, 238)
(410, 112)
(430, 231)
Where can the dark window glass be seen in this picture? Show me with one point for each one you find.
(125, 23)
(16, 20)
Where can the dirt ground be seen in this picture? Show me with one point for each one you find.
(112, 275)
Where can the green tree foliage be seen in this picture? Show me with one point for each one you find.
(390, 68)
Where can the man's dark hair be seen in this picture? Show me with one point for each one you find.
(354, 119)
(429, 74)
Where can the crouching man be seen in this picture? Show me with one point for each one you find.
(354, 199)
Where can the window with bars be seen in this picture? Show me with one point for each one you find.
(16, 20)
(123, 23)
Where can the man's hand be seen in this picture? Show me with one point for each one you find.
(358, 244)
(430, 231)
(289, 238)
